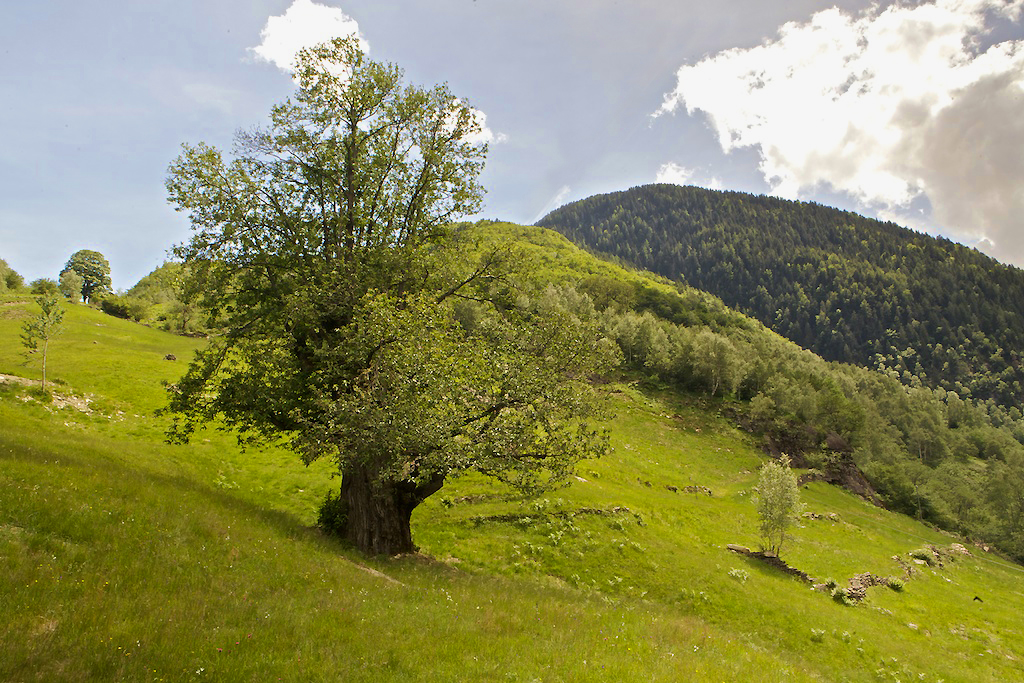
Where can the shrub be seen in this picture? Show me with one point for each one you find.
(923, 554)
(895, 583)
(126, 307)
(9, 279)
(333, 514)
(842, 596)
(44, 285)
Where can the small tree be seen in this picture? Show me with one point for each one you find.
(716, 361)
(42, 328)
(95, 272)
(71, 285)
(778, 503)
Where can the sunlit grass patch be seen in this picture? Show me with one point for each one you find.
(124, 558)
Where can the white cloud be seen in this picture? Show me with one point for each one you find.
(304, 24)
(675, 174)
(553, 203)
(889, 106)
(484, 135)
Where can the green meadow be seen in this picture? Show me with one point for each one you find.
(123, 558)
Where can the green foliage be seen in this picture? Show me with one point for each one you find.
(124, 306)
(332, 515)
(71, 285)
(923, 554)
(842, 596)
(9, 278)
(161, 286)
(778, 503)
(895, 583)
(173, 295)
(37, 332)
(94, 269)
(360, 325)
(849, 288)
(716, 361)
(43, 286)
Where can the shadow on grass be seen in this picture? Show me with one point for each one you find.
(103, 470)
(776, 567)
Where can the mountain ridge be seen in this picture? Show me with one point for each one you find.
(850, 288)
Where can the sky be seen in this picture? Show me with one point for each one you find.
(907, 111)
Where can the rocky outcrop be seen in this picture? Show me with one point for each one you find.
(857, 586)
(841, 470)
(770, 559)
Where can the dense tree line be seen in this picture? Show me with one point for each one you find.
(169, 298)
(850, 288)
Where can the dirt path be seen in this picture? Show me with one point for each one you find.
(58, 399)
(12, 379)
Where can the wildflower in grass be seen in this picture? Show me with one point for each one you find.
(739, 574)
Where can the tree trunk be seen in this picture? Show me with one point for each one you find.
(379, 512)
(45, 343)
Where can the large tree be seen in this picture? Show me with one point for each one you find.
(94, 269)
(360, 325)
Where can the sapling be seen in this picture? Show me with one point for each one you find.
(37, 332)
(778, 503)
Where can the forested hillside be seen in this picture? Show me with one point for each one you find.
(850, 288)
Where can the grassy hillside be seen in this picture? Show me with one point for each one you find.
(124, 558)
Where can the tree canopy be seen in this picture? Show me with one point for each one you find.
(778, 503)
(71, 285)
(9, 278)
(360, 324)
(94, 269)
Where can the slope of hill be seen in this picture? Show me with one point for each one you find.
(124, 558)
(849, 288)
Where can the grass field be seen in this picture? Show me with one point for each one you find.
(124, 558)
